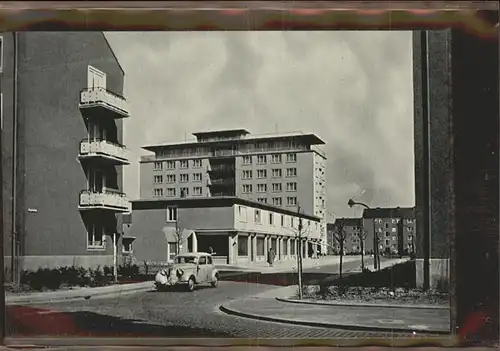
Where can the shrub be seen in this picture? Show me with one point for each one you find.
(107, 271)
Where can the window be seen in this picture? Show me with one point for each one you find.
(291, 172)
(285, 248)
(393, 238)
(242, 245)
(172, 251)
(387, 225)
(126, 246)
(260, 246)
(291, 222)
(291, 201)
(386, 233)
(242, 212)
(170, 178)
(276, 187)
(209, 260)
(277, 173)
(184, 192)
(95, 78)
(277, 201)
(261, 173)
(261, 188)
(170, 192)
(184, 164)
(202, 260)
(95, 236)
(394, 230)
(247, 188)
(257, 216)
(276, 158)
(292, 247)
(410, 238)
(171, 214)
(291, 157)
(197, 191)
(282, 219)
(170, 164)
(158, 166)
(387, 242)
(158, 192)
(158, 179)
(247, 160)
(184, 178)
(291, 186)
(197, 177)
(262, 200)
(271, 219)
(246, 175)
(196, 163)
(261, 159)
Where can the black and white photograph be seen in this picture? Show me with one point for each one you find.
(225, 184)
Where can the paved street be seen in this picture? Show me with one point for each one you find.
(165, 314)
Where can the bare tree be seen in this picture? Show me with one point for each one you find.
(179, 238)
(363, 234)
(340, 236)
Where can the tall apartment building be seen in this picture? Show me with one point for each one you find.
(62, 154)
(283, 170)
(394, 229)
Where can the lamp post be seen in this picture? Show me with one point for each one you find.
(376, 261)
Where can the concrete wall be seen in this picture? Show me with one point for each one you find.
(220, 218)
(52, 71)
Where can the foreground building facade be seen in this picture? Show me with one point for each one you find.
(282, 170)
(62, 114)
(239, 231)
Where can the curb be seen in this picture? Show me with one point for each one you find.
(326, 325)
(369, 305)
(80, 296)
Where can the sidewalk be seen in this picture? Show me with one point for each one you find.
(267, 307)
(76, 293)
(290, 265)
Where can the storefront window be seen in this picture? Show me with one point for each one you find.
(242, 245)
(260, 247)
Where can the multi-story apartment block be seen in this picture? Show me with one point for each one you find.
(394, 229)
(285, 170)
(353, 228)
(62, 119)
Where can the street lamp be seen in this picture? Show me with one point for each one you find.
(376, 263)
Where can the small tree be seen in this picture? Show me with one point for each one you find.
(179, 238)
(363, 234)
(340, 236)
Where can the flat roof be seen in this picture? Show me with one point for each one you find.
(215, 201)
(224, 132)
(309, 138)
(389, 212)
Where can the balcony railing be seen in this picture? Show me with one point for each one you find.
(221, 182)
(104, 149)
(104, 199)
(103, 98)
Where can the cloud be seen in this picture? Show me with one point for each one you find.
(353, 89)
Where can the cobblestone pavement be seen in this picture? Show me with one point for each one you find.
(200, 310)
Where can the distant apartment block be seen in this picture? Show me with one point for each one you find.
(353, 228)
(62, 116)
(394, 228)
(282, 170)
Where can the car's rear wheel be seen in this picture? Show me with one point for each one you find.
(191, 284)
(215, 281)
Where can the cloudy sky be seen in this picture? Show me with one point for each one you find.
(353, 89)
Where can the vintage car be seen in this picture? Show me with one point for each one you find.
(189, 269)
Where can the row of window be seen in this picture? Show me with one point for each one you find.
(183, 178)
(278, 201)
(158, 165)
(393, 221)
(275, 188)
(293, 222)
(172, 192)
(275, 173)
(275, 158)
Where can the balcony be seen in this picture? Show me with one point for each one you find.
(104, 101)
(103, 150)
(221, 182)
(104, 200)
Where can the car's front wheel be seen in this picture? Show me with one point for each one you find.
(215, 281)
(191, 284)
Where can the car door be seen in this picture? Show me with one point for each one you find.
(202, 269)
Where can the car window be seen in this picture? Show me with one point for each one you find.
(202, 260)
(186, 259)
(209, 259)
